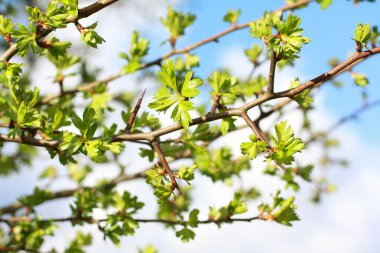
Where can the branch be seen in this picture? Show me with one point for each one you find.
(256, 130)
(150, 136)
(168, 171)
(163, 221)
(272, 70)
(132, 118)
(93, 8)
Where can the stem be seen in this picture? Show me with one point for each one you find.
(132, 118)
(168, 171)
(256, 129)
(272, 70)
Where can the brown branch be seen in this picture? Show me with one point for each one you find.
(256, 129)
(168, 171)
(150, 136)
(132, 118)
(16, 249)
(216, 103)
(93, 8)
(272, 70)
(163, 221)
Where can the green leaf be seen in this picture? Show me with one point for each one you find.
(154, 177)
(362, 33)
(303, 99)
(324, 3)
(6, 26)
(232, 16)
(185, 234)
(254, 53)
(181, 113)
(253, 147)
(176, 22)
(285, 144)
(237, 206)
(162, 193)
(360, 80)
(189, 86)
(193, 218)
(10, 73)
(186, 173)
(90, 37)
(139, 48)
(167, 75)
(49, 172)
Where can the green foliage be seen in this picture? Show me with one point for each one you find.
(38, 197)
(360, 79)
(235, 206)
(218, 164)
(303, 99)
(362, 33)
(176, 22)
(254, 53)
(90, 37)
(287, 43)
(176, 92)
(232, 16)
(10, 73)
(285, 144)
(253, 147)
(81, 240)
(25, 39)
(324, 3)
(31, 233)
(222, 85)
(282, 210)
(6, 26)
(139, 48)
(185, 234)
(148, 249)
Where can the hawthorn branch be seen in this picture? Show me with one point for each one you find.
(165, 164)
(272, 70)
(93, 8)
(162, 221)
(256, 129)
(150, 136)
(132, 118)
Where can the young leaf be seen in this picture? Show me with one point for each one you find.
(185, 234)
(232, 16)
(285, 144)
(253, 147)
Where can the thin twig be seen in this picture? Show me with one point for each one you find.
(168, 171)
(272, 70)
(132, 118)
(256, 129)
